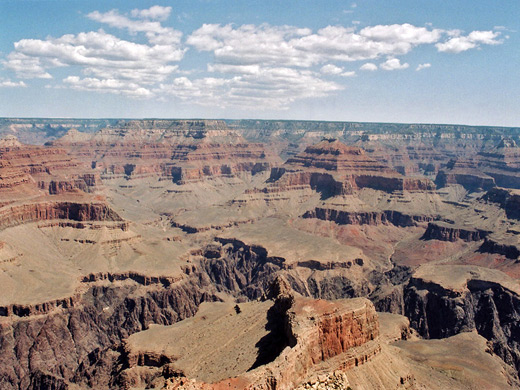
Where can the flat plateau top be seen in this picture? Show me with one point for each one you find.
(215, 344)
(281, 240)
(456, 277)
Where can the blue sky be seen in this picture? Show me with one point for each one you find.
(375, 60)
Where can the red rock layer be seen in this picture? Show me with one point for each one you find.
(339, 335)
(30, 212)
(333, 168)
(181, 150)
(51, 168)
(497, 167)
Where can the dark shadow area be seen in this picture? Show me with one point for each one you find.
(272, 344)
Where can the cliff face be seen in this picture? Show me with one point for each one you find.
(332, 168)
(482, 305)
(373, 218)
(445, 232)
(305, 337)
(509, 200)
(499, 166)
(52, 169)
(81, 344)
(76, 211)
(179, 150)
(510, 251)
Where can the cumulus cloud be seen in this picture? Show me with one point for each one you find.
(12, 84)
(369, 66)
(250, 44)
(108, 62)
(273, 88)
(155, 12)
(107, 85)
(331, 69)
(98, 53)
(26, 67)
(256, 66)
(145, 23)
(393, 64)
(423, 66)
(458, 44)
(291, 46)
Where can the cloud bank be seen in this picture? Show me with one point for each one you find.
(258, 66)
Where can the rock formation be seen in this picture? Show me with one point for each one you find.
(310, 336)
(499, 166)
(459, 299)
(183, 150)
(333, 167)
(202, 261)
(51, 169)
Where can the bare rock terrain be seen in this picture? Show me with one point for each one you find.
(186, 254)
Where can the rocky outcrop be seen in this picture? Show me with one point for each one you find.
(12, 215)
(480, 302)
(312, 335)
(511, 251)
(499, 166)
(446, 232)
(181, 150)
(471, 181)
(51, 168)
(374, 218)
(332, 168)
(507, 199)
(236, 267)
(144, 280)
(80, 345)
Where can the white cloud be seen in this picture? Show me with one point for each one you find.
(403, 36)
(155, 12)
(234, 69)
(108, 61)
(369, 66)
(255, 66)
(154, 31)
(273, 88)
(98, 53)
(393, 64)
(250, 44)
(291, 46)
(108, 85)
(458, 44)
(331, 69)
(26, 67)
(12, 84)
(423, 66)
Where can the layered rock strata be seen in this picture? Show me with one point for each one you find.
(317, 335)
(507, 199)
(183, 151)
(499, 166)
(447, 232)
(51, 169)
(332, 168)
(444, 301)
(374, 218)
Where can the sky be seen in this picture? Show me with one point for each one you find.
(407, 61)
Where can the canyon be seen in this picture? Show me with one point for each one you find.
(244, 254)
